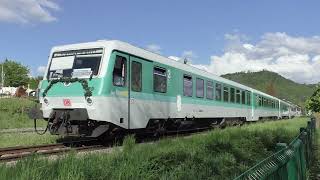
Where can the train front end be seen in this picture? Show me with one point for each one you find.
(70, 89)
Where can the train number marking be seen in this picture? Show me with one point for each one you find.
(169, 74)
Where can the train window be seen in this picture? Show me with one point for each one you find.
(260, 101)
(90, 62)
(159, 80)
(225, 94)
(136, 75)
(187, 85)
(248, 98)
(264, 102)
(243, 97)
(238, 96)
(209, 90)
(120, 71)
(199, 88)
(232, 94)
(218, 92)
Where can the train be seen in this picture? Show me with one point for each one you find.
(103, 88)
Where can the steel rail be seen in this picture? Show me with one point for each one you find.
(19, 152)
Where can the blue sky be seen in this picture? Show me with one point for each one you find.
(206, 32)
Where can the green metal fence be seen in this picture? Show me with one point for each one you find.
(290, 161)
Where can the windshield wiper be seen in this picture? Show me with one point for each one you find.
(56, 73)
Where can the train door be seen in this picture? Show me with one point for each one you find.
(139, 92)
(120, 89)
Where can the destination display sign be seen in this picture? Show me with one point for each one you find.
(78, 52)
(82, 73)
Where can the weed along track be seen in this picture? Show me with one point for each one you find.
(10, 154)
(67, 145)
(220, 154)
(16, 153)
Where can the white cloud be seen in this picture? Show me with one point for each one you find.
(154, 48)
(188, 55)
(248, 46)
(296, 58)
(41, 70)
(236, 37)
(27, 11)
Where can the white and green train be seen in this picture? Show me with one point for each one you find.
(100, 88)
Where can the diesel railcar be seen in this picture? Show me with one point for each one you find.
(99, 88)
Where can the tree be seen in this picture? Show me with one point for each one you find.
(16, 74)
(313, 103)
(34, 81)
(271, 89)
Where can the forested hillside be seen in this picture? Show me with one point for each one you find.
(275, 85)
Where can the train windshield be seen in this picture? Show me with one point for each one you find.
(83, 63)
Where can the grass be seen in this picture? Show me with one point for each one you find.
(219, 154)
(13, 113)
(315, 168)
(314, 172)
(25, 139)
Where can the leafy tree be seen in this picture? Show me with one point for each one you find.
(16, 74)
(271, 89)
(313, 103)
(282, 87)
(34, 81)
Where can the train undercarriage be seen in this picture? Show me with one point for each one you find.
(76, 123)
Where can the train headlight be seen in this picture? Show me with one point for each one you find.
(46, 101)
(89, 101)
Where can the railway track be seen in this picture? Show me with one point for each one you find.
(15, 153)
(19, 130)
(19, 152)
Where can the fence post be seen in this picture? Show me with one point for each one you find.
(291, 161)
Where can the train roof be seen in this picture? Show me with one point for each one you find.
(143, 53)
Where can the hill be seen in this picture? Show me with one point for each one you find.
(275, 85)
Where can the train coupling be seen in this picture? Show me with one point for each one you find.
(75, 122)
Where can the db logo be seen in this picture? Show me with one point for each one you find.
(66, 102)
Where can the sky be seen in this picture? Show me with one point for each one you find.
(217, 36)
